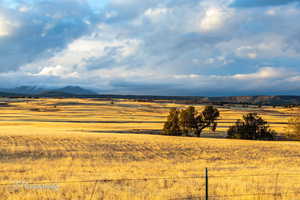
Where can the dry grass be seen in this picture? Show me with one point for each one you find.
(46, 141)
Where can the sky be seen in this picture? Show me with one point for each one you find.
(153, 47)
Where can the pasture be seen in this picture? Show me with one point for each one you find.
(57, 148)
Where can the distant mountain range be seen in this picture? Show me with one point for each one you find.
(40, 91)
(76, 91)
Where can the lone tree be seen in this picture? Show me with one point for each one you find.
(189, 122)
(251, 127)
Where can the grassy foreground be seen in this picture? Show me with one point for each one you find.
(64, 143)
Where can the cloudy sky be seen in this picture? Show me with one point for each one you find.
(159, 47)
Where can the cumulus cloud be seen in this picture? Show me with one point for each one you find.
(85, 55)
(215, 18)
(152, 46)
(33, 29)
(264, 73)
(58, 70)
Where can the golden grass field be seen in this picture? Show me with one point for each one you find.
(62, 144)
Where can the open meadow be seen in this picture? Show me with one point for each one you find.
(58, 148)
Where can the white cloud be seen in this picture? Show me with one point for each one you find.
(111, 14)
(156, 13)
(259, 46)
(59, 71)
(87, 48)
(295, 79)
(6, 26)
(73, 62)
(24, 9)
(272, 12)
(252, 55)
(264, 73)
(219, 60)
(246, 51)
(123, 2)
(187, 76)
(215, 18)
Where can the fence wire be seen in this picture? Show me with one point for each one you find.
(187, 196)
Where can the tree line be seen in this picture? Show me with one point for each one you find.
(190, 122)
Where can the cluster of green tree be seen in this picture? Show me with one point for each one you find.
(251, 127)
(190, 122)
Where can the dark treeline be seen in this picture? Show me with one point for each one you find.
(188, 100)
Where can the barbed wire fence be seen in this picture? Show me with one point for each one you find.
(205, 180)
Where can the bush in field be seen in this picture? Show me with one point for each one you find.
(251, 127)
(190, 122)
(294, 127)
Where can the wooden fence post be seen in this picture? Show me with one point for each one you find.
(206, 184)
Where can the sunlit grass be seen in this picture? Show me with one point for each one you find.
(52, 144)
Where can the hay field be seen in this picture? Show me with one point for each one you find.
(60, 145)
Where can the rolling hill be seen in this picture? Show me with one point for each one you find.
(79, 92)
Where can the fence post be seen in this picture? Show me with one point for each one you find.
(206, 184)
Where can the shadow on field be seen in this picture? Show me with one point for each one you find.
(88, 122)
(216, 135)
(132, 131)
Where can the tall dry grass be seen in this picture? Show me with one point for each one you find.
(54, 147)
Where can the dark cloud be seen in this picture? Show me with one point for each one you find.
(259, 3)
(43, 27)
